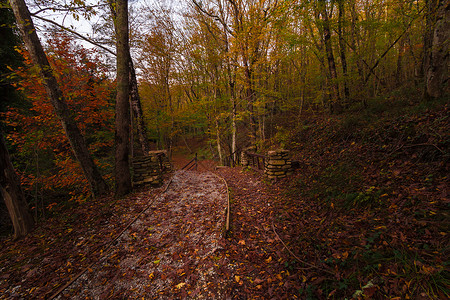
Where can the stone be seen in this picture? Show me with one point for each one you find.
(277, 162)
(279, 173)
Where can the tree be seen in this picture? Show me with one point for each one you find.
(97, 184)
(122, 123)
(13, 195)
(135, 101)
(8, 57)
(323, 10)
(437, 36)
(43, 155)
(136, 108)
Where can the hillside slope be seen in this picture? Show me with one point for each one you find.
(370, 201)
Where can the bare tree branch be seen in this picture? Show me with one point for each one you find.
(76, 33)
(66, 9)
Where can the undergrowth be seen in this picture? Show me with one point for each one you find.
(375, 183)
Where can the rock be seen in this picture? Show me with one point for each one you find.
(276, 162)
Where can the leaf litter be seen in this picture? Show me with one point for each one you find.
(354, 223)
(171, 251)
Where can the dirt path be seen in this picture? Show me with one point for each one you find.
(170, 251)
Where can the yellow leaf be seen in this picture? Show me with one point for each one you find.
(269, 259)
(180, 285)
(237, 278)
(151, 276)
(345, 255)
(241, 242)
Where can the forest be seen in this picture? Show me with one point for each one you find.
(356, 91)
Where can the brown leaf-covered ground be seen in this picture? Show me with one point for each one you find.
(172, 250)
(365, 216)
(177, 248)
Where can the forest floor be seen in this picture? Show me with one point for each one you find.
(366, 216)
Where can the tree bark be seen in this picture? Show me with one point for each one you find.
(219, 146)
(329, 53)
(137, 110)
(97, 184)
(13, 195)
(122, 121)
(437, 63)
(342, 49)
(430, 20)
(233, 126)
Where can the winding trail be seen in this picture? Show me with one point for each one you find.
(170, 251)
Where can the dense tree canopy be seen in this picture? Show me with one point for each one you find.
(354, 95)
(227, 70)
(245, 62)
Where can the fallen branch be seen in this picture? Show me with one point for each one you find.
(426, 144)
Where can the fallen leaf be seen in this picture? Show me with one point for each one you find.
(180, 285)
(258, 281)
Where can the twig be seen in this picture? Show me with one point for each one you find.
(76, 33)
(295, 256)
(426, 144)
(67, 9)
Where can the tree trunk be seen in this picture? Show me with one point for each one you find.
(233, 129)
(330, 57)
(437, 63)
(430, 20)
(399, 72)
(13, 195)
(219, 147)
(342, 49)
(122, 122)
(97, 184)
(250, 97)
(137, 110)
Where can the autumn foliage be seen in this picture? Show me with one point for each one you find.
(43, 150)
